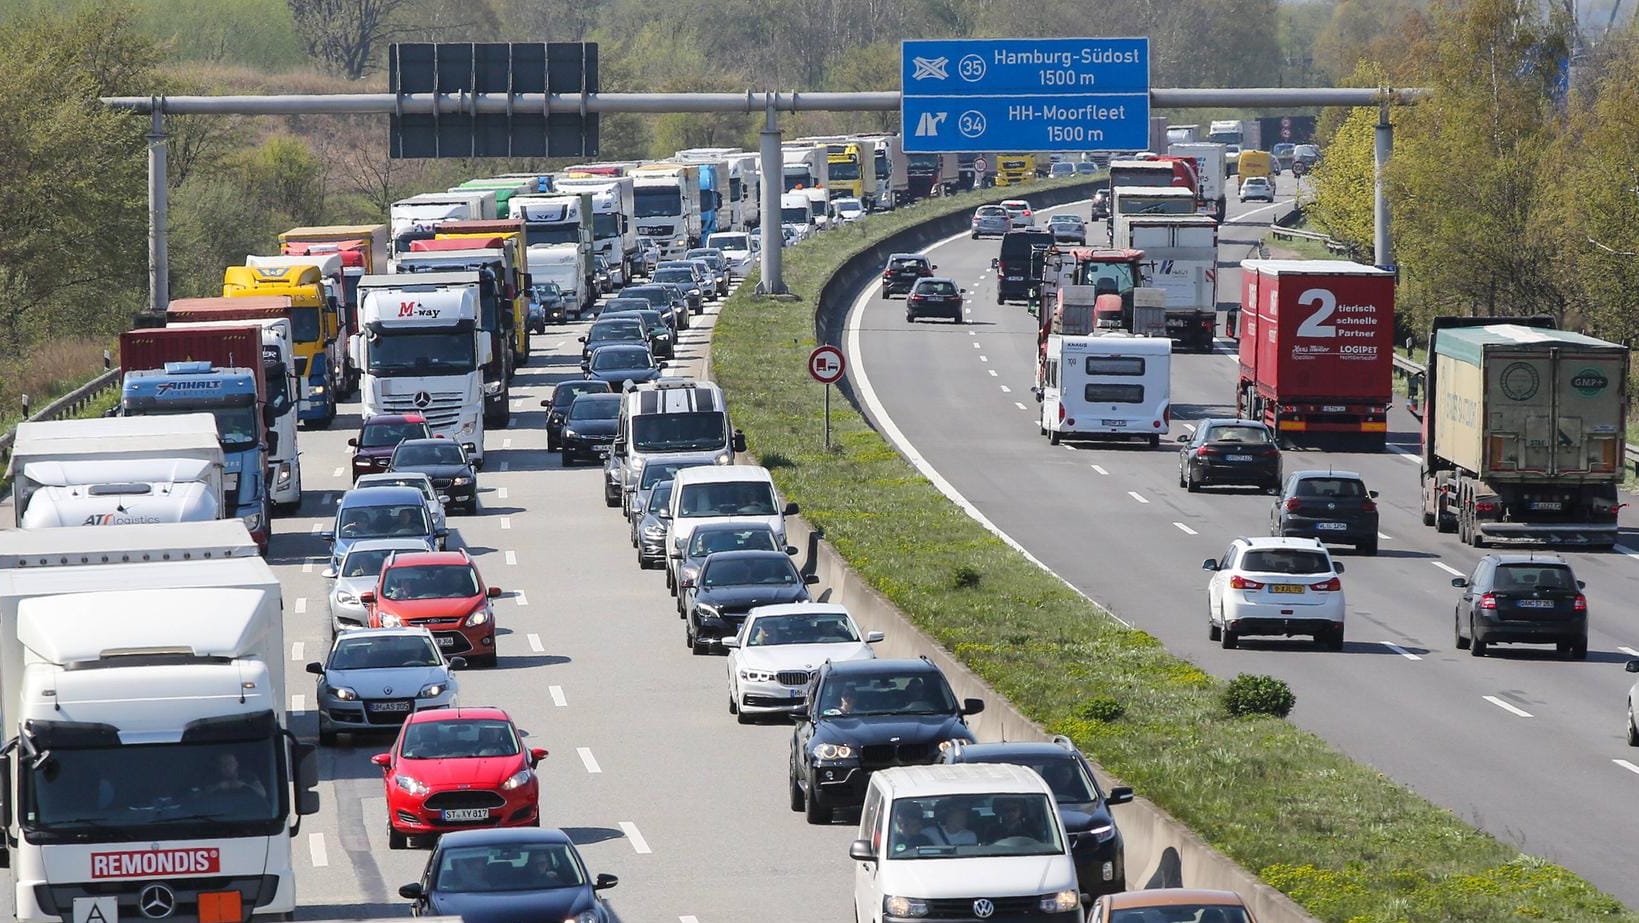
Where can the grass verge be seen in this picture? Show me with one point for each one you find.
(98, 407)
(49, 371)
(1343, 840)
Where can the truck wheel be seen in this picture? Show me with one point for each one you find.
(1428, 518)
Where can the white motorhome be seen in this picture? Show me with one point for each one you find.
(1102, 386)
(418, 217)
(566, 265)
(559, 220)
(141, 665)
(1212, 172)
(668, 206)
(796, 209)
(422, 352)
(114, 470)
(614, 219)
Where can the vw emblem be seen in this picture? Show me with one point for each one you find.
(156, 902)
(422, 399)
(983, 908)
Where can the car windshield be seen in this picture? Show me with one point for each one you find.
(908, 265)
(993, 211)
(595, 407)
(365, 563)
(459, 739)
(1331, 488)
(1227, 435)
(380, 435)
(373, 651)
(963, 826)
(680, 432)
(384, 521)
(618, 331)
(655, 472)
(1286, 561)
(1528, 577)
(627, 304)
(674, 275)
(774, 630)
(728, 498)
(1180, 913)
(936, 288)
(442, 452)
(917, 693)
(1065, 219)
(429, 581)
(565, 394)
(660, 497)
(711, 541)
(1064, 776)
(386, 480)
(753, 571)
(731, 241)
(509, 867)
(620, 359)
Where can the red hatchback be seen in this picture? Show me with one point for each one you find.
(380, 435)
(459, 768)
(441, 592)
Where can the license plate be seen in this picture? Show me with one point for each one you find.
(1536, 604)
(1015, 278)
(389, 706)
(1238, 458)
(601, 449)
(446, 642)
(1294, 588)
(1112, 422)
(466, 814)
(1551, 505)
(1333, 408)
(1332, 526)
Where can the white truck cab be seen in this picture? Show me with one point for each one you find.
(1114, 385)
(118, 470)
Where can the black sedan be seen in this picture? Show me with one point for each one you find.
(446, 463)
(688, 281)
(1229, 452)
(589, 429)
(1529, 598)
(506, 874)
(1095, 843)
(731, 584)
(613, 330)
(934, 297)
(547, 305)
(623, 363)
(662, 339)
(1332, 506)
(557, 406)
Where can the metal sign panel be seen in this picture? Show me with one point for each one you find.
(462, 70)
(1072, 94)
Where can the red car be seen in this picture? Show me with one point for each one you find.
(459, 768)
(441, 592)
(380, 435)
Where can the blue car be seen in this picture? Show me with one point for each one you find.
(504, 875)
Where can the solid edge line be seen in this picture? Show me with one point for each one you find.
(888, 428)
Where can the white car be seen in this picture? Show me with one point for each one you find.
(740, 250)
(848, 209)
(1020, 211)
(375, 678)
(416, 479)
(793, 233)
(1257, 187)
(777, 649)
(1275, 586)
(359, 572)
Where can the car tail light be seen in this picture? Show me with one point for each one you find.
(1027, 213)
(1293, 505)
(917, 298)
(1485, 506)
(1202, 452)
(887, 273)
(1581, 603)
(1488, 601)
(1241, 583)
(1368, 506)
(1061, 413)
(1333, 584)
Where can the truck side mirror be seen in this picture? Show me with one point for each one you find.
(306, 760)
(739, 441)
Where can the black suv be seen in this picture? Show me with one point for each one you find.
(902, 271)
(863, 715)
(446, 464)
(1229, 452)
(1332, 506)
(1524, 598)
(1019, 268)
(730, 585)
(1095, 843)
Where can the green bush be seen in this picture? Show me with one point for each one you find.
(1248, 694)
(1101, 708)
(965, 577)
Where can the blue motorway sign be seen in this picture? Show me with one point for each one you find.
(1072, 94)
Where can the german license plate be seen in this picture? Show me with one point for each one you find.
(1548, 505)
(1333, 408)
(1238, 458)
(1294, 588)
(1332, 526)
(446, 642)
(454, 814)
(1015, 278)
(1112, 422)
(1536, 604)
(389, 706)
(601, 450)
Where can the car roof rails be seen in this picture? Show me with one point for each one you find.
(1063, 741)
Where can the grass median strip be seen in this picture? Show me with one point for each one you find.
(1345, 841)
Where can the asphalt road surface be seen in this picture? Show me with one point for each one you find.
(1526, 746)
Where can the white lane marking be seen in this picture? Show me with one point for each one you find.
(317, 528)
(1629, 651)
(1185, 529)
(1020, 405)
(504, 465)
(1100, 470)
(1506, 707)
(315, 846)
(307, 567)
(1385, 536)
(1406, 455)
(506, 443)
(992, 372)
(1006, 389)
(297, 648)
(1627, 765)
(639, 844)
(512, 558)
(975, 344)
(557, 696)
(1448, 568)
(590, 760)
(329, 499)
(984, 358)
(522, 599)
(500, 493)
(1400, 650)
(973, 333)
(298, 703)
(1137, 496)
(1625, 550)
(1190, 427)
(535, 643)
(338, 472)
(688, 918)
(301, 604)
(506, 522)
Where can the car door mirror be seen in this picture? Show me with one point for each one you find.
(730, 643)
(384, 760)
(1121, 794)
(810, 579)
(411, 891)
(1183, 438)
(995, 263)
(368, 597)
(739, 441)
(686, 583)
(1459, 582)
(791, 509)
(580, 339)
(441, 533)
(799, 714)
(604, 882)
(791, 550)
(494, 592)
(330, 573)
(546, 403)
(353, 441)
(972, 706)
(1337, 567)
(861, 851)
(328, 535)
(316, 668)
(1209, 564)
(1372, 494)
(536, 754)
(1632, 666)
(458, 663)
(872, 637)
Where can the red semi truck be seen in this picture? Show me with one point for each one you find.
(1317, 351)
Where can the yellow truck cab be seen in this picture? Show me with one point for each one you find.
(517, 256)
(1255, 163)
(1015, 169)
(315, 327)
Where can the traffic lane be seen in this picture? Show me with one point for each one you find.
(1388, 612)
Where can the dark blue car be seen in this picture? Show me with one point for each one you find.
(504, 875)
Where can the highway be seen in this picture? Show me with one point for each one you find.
(1526, 746)
(648, 773)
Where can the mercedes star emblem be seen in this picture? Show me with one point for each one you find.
(422, 399)
(156, 902)
(983, 908)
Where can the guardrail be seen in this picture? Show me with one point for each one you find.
(72, 402)
(1334, 246)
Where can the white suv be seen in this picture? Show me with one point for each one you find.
(966, 841)
(1275, 586)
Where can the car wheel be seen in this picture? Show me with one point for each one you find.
(910, 317)
(975, 236)
(1457, 633)
(689, 639)
(1000, 299)
(611, 501)
(816, 809)
(1053, 437)
(1181, 481)
(733, 706)
(1213, 632)
(1633, 732)
(1579, 649)
(1229, 639)
(1367, 547)
(1155, 440)
(1333, 639)
(796, 793)
(396, 840)
(1194, 484)
(1476, 647)
(327, 736)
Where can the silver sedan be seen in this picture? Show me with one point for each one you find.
(991, 220)
(359, 571)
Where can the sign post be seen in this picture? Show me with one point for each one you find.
(826, 365)
(1069, 94)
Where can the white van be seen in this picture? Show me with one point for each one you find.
(959, 842)
(677, 421)
(1110, 385)
(721, 493)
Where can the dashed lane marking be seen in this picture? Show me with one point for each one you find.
(1006, 389)
(535, 643)
(1628, 766)
(298, 703)
(315, 847)
(297, 648)
(512, 558)
(1185, 529)
(1448, 568)
(992, 372)
(1137, 496)
(506, 522)
(1100, 470)
(639, 844)
(590, 761)
(301, 604)
(1520, 712)
(522, 599)
(1020, 405)
(557, 696)
(1400, 650)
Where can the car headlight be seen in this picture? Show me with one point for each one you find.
(691, 572)
(253, 522)
(835, 752)
(344, 693)
(282, 478)
(757, 676)
(411, 784)
(707, 610)
(895, 906)
(316, 390)
(1060, 902)
(467, 427)
(724, 459)
(516, 779)
(654, 531)
(492, 388)
(1101, 832)
(432, 690)
(585, 916)
(569, 432)
(345, 598)
(460, 482)
(481, 617)
(389, 620)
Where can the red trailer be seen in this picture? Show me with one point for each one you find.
(1317, 350)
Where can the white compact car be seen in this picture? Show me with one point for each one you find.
(1275, 586)
(777, 649)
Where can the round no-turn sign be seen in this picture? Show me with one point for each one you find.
(825, 363)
